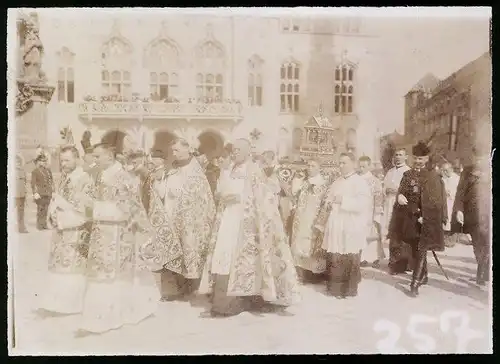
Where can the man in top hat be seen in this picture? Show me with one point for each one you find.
(473, 209)
(42, 186)
(419, 213)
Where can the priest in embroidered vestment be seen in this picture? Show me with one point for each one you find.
(120, 286)
(65, 283)
(342, 219)
(249, 263)
(189, 202)
(374, 251)
(310, 262)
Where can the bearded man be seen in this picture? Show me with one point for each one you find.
(249, 263)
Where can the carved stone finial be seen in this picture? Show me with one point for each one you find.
(210, 30)
(320, 109)
(115, 28)
(164, 29)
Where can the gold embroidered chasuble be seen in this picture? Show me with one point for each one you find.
(65, 281)
(189, 201)
(120, 286)
(118, 217)
(304, 236)
(261, 264)
(70, 239)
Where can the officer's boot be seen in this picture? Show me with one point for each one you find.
(417, 276)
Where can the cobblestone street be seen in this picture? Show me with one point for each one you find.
(318, 324)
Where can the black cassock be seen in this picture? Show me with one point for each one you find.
(426, 197)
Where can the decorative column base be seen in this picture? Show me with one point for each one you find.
(31, 119)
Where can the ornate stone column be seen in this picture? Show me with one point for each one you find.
(33, 92)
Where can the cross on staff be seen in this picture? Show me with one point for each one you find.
(255, 134)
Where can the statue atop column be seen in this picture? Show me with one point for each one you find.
(31, 79)
(32, 49)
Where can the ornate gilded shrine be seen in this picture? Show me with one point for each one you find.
(318, 139)
(319, 142)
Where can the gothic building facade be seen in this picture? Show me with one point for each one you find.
(455, 112)
(210, 79)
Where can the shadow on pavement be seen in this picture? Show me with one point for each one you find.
(467, 260)
(466, 270)
(401, 282)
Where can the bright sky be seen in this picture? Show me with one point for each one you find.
(414, 46)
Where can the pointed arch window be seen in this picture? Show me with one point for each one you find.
(210, 61)
(66, 85)
(116, 78)
(116, 83)
(255, 82)
(290, 87)
(65, 76)
(209, 87)
(163, 62)
(344, 89)
(453, 141)
(163, 85)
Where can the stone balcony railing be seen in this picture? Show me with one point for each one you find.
(159, 110)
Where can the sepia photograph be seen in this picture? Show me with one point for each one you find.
(249, 181)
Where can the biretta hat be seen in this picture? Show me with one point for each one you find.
(421, 149)
(41, 158)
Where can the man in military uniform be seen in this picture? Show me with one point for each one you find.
(419, 213)
(42, 186)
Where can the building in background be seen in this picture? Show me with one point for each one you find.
(145, 78)
(456, 110)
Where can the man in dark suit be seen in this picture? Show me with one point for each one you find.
(42, 186)
(473, 209)
(20, 193)
(419, 213)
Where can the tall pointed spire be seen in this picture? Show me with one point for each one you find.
(320, 108)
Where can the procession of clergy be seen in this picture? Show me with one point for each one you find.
(240, 235)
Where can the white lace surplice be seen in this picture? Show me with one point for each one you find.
(391, 180)
(450, 185)
(346, 230)
(227, 237)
